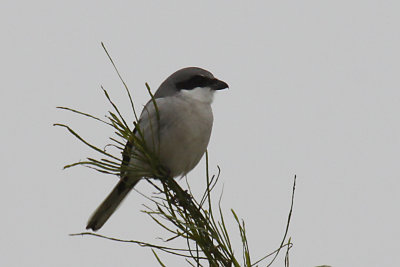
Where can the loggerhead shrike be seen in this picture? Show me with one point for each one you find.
(182, 127)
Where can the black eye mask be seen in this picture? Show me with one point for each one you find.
(195, 81)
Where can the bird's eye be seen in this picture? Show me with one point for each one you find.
(193, 82)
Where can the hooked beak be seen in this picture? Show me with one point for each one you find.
(218, 84)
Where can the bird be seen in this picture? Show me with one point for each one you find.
(181, 119)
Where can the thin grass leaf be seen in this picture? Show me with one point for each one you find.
(84, 114)
(111, 162)
(122, 80)
(276, 252)
(115, 107)
(118, 142)
(158, 259)
(112, 146)
(105, 163)
(85, 142)
(287, 253)
(287, 224)
(153, 100)
(225, 231)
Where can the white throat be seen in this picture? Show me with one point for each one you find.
(202, 94)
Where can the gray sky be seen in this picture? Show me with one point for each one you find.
(314, 92)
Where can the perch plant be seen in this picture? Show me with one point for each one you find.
(174, 209)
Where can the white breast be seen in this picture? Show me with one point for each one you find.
(185, 127)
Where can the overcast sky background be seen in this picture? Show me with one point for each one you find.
(314, 91)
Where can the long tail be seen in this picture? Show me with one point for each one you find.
(109, 205)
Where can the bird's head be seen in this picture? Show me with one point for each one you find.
(192, 82)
